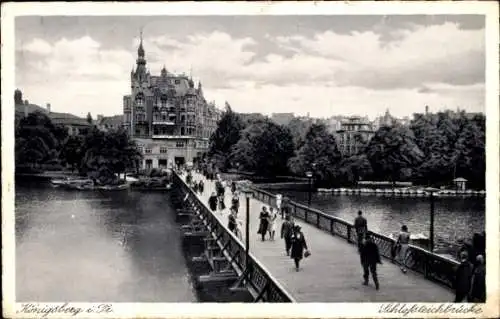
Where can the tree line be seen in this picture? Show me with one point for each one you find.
(39, 144)
(432, 150)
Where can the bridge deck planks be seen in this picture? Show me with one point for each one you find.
(333, 272)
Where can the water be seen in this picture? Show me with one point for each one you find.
(454, 219)
(98, 247)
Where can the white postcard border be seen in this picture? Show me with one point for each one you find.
(183, 310)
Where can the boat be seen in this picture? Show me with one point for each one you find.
(68, 180)
(120, 187)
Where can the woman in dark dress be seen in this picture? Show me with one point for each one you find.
(264, 222)
(298, 242)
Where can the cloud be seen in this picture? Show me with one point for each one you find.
(73, 59)
(419, 55)
(328, 73)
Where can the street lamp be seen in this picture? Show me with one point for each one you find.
(431, 190)
(309, 175)
(248, 194)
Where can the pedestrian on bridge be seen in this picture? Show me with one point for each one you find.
(213, 201)
(264, 223)
(231, 224)
(361, 227)
(235, 202)
(285, 207)
(272, 223)
(299, 245)
(478, 281)
(201, 186)
(403, 242)
(286, 233)
(463, 277)
(370, 257)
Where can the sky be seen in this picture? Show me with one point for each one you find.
(321, 65)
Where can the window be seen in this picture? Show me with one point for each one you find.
(182, 130)
(141, 149)
(179, 144)
(177, 81)
(163, 149)
(148, 150)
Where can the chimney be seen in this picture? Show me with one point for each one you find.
(48, 108)
(25, 110)
(426, 109)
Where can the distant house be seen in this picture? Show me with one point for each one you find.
(106, 123)
(353, 135)
(460, 183)
(74, 124)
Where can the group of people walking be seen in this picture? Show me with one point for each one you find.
(469, 282)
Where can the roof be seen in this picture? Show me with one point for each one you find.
(67, 119)
(31, 108)
(460, 179)
(115, 120)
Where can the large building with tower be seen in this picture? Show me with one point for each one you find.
(168, 116)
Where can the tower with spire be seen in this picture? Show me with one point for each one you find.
(168, 112)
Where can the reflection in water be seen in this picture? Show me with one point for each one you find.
(90, 246)
(455, 218)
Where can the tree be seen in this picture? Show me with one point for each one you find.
(226, 135)
(37, 140)
(89, 118)
(354, 168)
(72, 151)
(319, 148)
(299, 128)
(264, 148)
(105, 154)
(18, 97)
(392, 152)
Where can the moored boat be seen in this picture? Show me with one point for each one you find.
(114, 187)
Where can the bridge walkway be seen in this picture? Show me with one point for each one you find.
(333, 272)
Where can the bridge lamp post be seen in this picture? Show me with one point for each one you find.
(432, 191)
(248, 194)
(309, 175)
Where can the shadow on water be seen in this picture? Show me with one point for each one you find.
(98, 247)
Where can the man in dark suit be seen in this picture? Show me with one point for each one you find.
(361, 227)
(370, 257)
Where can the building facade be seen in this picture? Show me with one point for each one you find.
(167, 116)
(355, 132)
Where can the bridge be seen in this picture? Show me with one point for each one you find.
(333, 272)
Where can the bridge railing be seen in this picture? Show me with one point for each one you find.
(258, 280)
(432, 266)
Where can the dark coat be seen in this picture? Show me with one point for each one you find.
(264, 222)
(298, 245)
(463, 277)
(286, 229)
(212, 202)
(478, 285)
(360, 224)
(370, 254)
